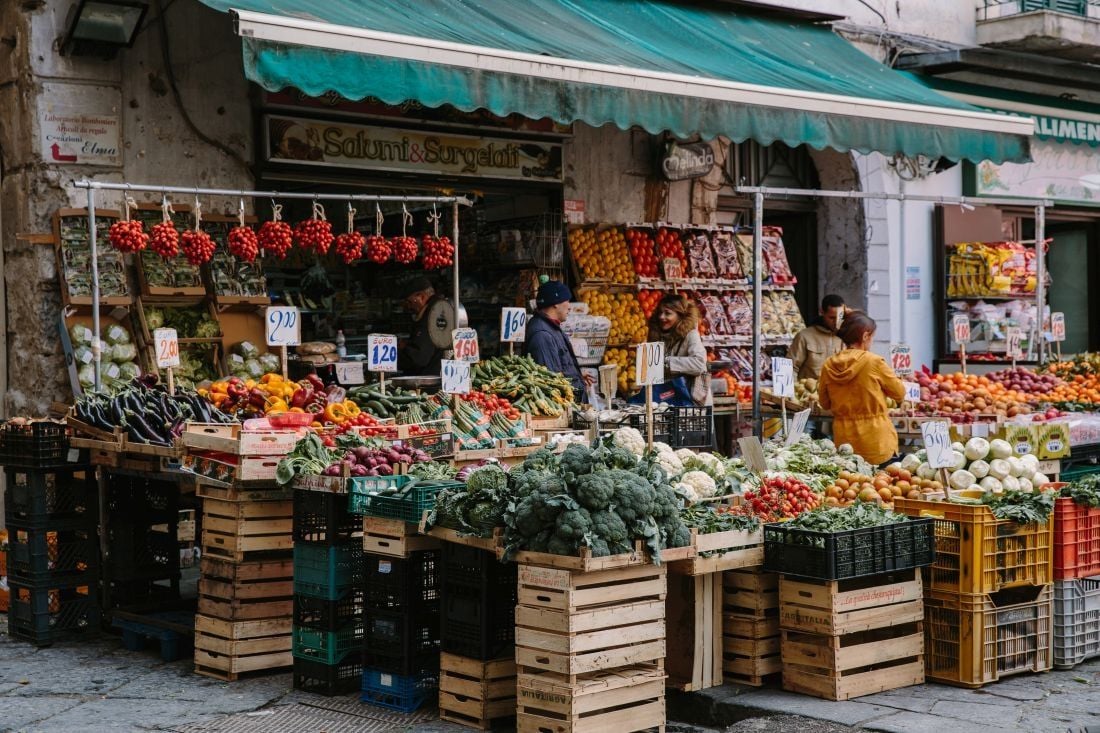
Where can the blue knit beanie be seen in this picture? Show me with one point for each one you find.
(551, 293)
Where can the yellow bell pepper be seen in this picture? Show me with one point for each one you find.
(250, 383)
(221, 388)
(336, 413)
(275, 406)
(351, 409)
(272, 378)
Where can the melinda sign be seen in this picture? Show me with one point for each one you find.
(317, 142)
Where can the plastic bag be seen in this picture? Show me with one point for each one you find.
(117, 335)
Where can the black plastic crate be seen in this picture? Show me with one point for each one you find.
(395, 583)
(142, 595)
(323, 518)
(36, 445)
(328, 679)
(141, 552)
(45, 615)
(426, 663)
(479, 595)
(400, 640)
(664, 425)
(693, 427)
(318, 613)
(851, 553)
(46, 497)
(140, 499)
(47, 557)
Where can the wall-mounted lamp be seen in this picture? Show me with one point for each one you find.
(102, 27)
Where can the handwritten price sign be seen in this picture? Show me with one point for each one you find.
(382, 352)
(1013, 338)
(513, 325)
(960, 326)
(673, 268)
(937, 442)
(901, 359)
(168, 347)
(783, 377)
(282, 326)
(1058, 326)
(350, 372)
(912, 392)
(649, 363)
(456, 376)
(465, 345)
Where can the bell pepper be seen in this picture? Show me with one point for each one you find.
(275, 406)
(351, 409)
(302, 397)
(271, 378)
(299, 410)
(250, 383)
(257, 398)
(336, 413)
(316, 382)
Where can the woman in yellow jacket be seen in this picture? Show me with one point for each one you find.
(854, 385)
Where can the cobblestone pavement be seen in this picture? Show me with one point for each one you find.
(97, 685)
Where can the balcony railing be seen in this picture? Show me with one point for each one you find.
(1004, 8)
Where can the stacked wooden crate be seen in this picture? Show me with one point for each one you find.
(245, 593)
(590, 646)
(750, 626)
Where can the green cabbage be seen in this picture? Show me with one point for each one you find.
(121, 353)
(81, 334)
(129, 371)
(270, 363)
(117, 335)
(248, 350)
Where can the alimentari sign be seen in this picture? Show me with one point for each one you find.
(319, 142)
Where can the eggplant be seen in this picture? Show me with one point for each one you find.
(138, 425)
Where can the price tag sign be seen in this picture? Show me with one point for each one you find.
(798, 426)
(753, 453)
(912, 392)
(1012, 339)
(282, 326)
(1058, 326)
(649, 363)
(350, 372)
(673, 268)
(513, 325)
(901, 359)
(465, 345)
(783, 377)
(456, 376)
(937, 442)
(960, 327)
(167, 347)
(381, 352)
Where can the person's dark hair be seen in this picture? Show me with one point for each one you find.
(855, 325)
(831, 301)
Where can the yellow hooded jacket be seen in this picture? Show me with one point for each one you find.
(854, 385)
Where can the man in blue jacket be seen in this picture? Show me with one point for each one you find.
(546, 343)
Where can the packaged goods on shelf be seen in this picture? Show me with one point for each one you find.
(789, 314)
(775, 257)
(771, 316)
(728, 255)
(717, 321)
(991, 268)
(700, 256)
(739, 311)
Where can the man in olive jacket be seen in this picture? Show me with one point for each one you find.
(816, 343)
(546, 343)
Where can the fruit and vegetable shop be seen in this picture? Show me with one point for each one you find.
(303, 434)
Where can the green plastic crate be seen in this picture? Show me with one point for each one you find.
(327, 572)
(329, 647)
(362, 490)
(1072, 474)
(409, 508)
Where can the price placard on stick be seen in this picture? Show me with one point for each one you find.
(649, 363)
(783, 377)
(798, 426)
(350, 372)
(456, 376)
(912, 392)
(282, 326)
(382, 352)
(960, 327)
(673, 268)
(937, 443)
(901, 359)
(513, 325)
(753, 453)
(167, 347)
(1058, 326)
(1012, 340)
(465, 345)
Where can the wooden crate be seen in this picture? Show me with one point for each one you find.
(840, 667)
(394, 537)
(242, 491)
(621, 701)
(574, 623)
(246, 591)
(234, 440)
(720, 551)
(837, 607)
(693, 613)
(241, 531)
(227, 649)
(750, 626)
(750, 593)
(474, 693)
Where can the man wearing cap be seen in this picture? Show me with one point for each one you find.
(546, 343)
(419, 356)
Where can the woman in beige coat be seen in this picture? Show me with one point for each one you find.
(676, 323)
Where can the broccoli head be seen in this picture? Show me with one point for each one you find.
(537, 512)
(538, 482)
(599, 548)
(633, 495)
(558, 545)
(574, 524)
(674, 533)
(491, 478)
(595, 491)
(576, 461)
(610, 527)
(543, 459)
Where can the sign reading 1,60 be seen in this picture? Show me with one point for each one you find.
(282, 326)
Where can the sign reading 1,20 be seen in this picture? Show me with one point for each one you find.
(382, 352)
(282, 326)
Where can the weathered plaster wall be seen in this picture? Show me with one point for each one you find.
(158, 147)
(841, 229)
(608, 168)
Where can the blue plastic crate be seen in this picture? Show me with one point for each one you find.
(404, 693)
(326, 572)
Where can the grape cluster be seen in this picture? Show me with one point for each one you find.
(165, 240)
(128, 236)
(275, 237)
(314, 234)
(350, 246)
(197, 246)
(243, 243)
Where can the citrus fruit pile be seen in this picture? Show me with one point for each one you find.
(625, 359)
(602, 255)
(628, 324)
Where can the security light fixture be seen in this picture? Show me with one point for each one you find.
(101, 27)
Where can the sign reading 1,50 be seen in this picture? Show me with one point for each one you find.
(282, 326)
